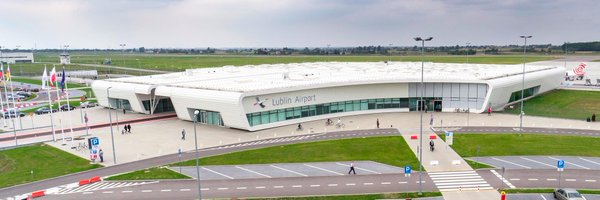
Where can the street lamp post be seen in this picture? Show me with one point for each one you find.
(196, 112)
(467, 54)
(112, 137)
(566, 55)
(421, 106)
(123, 52)
(523, 83)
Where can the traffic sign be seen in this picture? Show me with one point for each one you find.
(449, 137)
(179, 152)
(407, 170)
(561, 165)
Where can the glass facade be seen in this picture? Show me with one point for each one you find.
(271, 116)
(164, 105)
(515, 96)
(120, 103)
(210, 117)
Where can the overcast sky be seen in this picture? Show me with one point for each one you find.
(301, 23)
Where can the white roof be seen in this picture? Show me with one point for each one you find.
(277, 76)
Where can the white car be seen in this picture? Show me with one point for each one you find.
(567, 194)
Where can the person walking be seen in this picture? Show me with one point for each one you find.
(125, 128)
(489, 111)
(352, 168)
(124, 111)
(431, 145)
(425, 108)
(183, 134)
(129, 128)
(377, 122)
(101, 154)
(594, 117)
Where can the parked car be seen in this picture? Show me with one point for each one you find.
(25, 94)
(12, 113)
(14, 97)
(66, 107)
(88, 104)
(567, 194)
(43, 110)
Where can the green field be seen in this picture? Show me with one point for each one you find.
(361, 197)
(512, 144)
(26, 80)
(391, 150)
(45, 161)
(571, 104)
(150, 174)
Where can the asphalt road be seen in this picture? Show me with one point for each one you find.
(491, 129)
(172, 158)
(540, 162)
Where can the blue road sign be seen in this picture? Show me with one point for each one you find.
(561, 164)
(407, 170)
(179, 152)
(95, 141)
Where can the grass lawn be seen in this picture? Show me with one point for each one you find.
(150, 174)
(571, 104)
(361, 197)
(391, 150)
(526, 144)
(45, 162)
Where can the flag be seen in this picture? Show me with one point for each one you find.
(1, 71)
(44, 78)
(62, 81)
(52, 76)
(8, 73)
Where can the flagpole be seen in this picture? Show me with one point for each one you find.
(46, 85)
(6, 95)
(14, 105)
(2, 98)
(62, 130)
(69, 106)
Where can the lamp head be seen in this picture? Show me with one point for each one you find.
(526, 36)
(429, 39)
(196, 112)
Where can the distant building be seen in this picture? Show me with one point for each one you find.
(65, 59)
(19, 57)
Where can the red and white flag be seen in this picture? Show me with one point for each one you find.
(52, 76)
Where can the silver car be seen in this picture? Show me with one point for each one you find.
(567, 194)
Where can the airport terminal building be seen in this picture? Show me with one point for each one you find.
(256, 97)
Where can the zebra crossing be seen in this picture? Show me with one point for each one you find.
(267, 141)
(458, 181)
(101, 186)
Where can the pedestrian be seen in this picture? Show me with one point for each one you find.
(594, 117)
(129, 128)
(101, 154)
(377, 122)
(489, 111)
(431, 145)
(125, 128)
(352, 168)
(183, 134)
(123, 111)
(425, 108)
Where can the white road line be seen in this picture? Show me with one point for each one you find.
(367, 183)
(204, 189)
(589, 161)
(571, 180)
(350, 184)
(222, 188)
(551, 179)
(532, 179)
(523, 166)
(287, 170)
(127, 191)
(402, 182)
(260, 187)
(167, 190)
(332, 185)
(538, 162)
(360, 168)
(385, 183)
(278, 186)
(323, 169)
(503, 179)
(252, 171)
(296, 186)
(515, 179)
(541, 195)
(592, 181)
(229, 177)
(315, 185)
(241, 188)
(88, 193)
(146, 190)
(184, 190)
(107, 192)
(570, 163)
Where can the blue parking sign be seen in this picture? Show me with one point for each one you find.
(407, 170)
(560, 164)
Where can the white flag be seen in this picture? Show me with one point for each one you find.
(45, 78)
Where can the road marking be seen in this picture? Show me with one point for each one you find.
(278, 186)
(589, 161)
(252, 171)
(167, 190)
(498, 159)
(222, 188)
(241, 188)
(402, 182)
(385, 183)
(367, 183)
(127, 191)
(503, 179)
(204, 189)
(570, 163)
(544, 198)
(332, 185)
(532, 179)
(538, 162)
(551, 179)
(359, 168)
(592, 181)
(88, 193)
(350, 184)
(184, 190)
(570, 180)
(287, 170)
(323, 169)
(315, 185)
(515, 179)
(146, 190)
(296, 186)
(229, 177)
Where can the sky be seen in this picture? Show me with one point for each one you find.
(292, 23)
